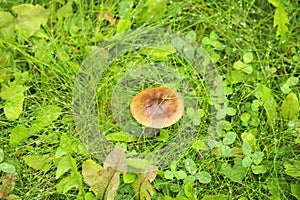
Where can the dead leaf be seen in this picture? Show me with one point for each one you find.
(142, 186)
(116, 160)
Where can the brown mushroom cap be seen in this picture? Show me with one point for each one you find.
(157, 107)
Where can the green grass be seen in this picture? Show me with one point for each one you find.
(48, 60)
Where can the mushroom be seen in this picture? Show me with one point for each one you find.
(157, 107)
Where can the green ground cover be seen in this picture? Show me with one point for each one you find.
(254, 45)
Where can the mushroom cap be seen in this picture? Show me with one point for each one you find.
(157, 107)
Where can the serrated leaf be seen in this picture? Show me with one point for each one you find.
(190, 166)
(38, 162)
(64, 165)
(290, 107)
(18, 135)
(142, 186)
(280, 20)
(7, 167)
(116, 160)
(203, 177)
(121, 137)
(29, 19)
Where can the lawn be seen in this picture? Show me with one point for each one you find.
(69, 71)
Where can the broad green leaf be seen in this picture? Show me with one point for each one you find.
(225, 150)
(247, 161)
(257, 157)
(18, 135)
(120, 137)
(190, 112)
(169, 175)
(290, 107)
(7, 25)
(1, 155)
(7, 167)
(116, 160)
(13, 109)
(45, 117)
(247, 69)
(180, 174)
(293, 169)
(198, 114)
(199, 145)
(280, 20)
(142, 186)
(155, 10)
(160, 51)
(30, 18)
(14, 97)
(190, 166)
(229, 138)
(236, 173)
(38, 162)
(292, 81)
(246, 148)
(230, 111)
(123, 25)
(65, 164)
(215, 197)
(125, 9)
(203, 177)
(245, 117)
(248, 57)
(235, 76)
(141, 164)
(295, 190)
(265, 95)
(163, 135)
(249, 139)
(275, 3)
(129, 178)
(189, 190)
(258, 169)
(90, 170)
(70, 182)
(238, 65)
(65, 11)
